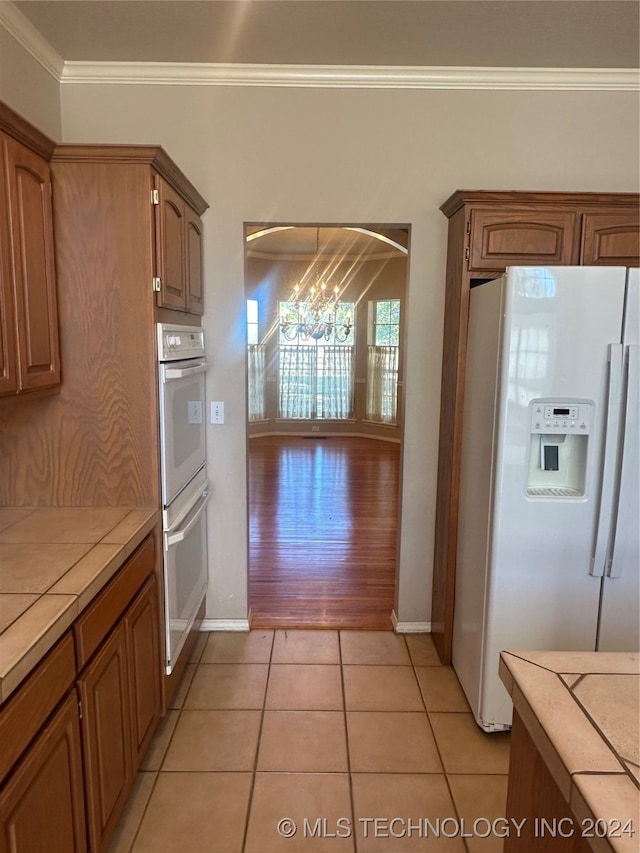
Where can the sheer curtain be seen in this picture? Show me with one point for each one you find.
(256, 381)
(316, 382)
(382, 384)
(297, 381)
(335, 382)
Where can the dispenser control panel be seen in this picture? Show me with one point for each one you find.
(560, 417)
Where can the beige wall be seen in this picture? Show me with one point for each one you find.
(304, 155)
(27, 88)
(326, 156)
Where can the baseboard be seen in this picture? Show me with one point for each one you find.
(224, 625)
(409, 627)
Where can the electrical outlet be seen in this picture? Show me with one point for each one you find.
(217, 413)
(315, 429)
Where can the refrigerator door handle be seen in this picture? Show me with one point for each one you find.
(601, 551)
(627, 526)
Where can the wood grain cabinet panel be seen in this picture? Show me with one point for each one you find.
(106, 731)
(42, 806)
(193, 255)
(8, 356)
(120, 688)
(27, 710)
(533, 795)
(170, 247)
(611, 239)
(143, 646)
(178, 251)
(29, 346)
(506, 238)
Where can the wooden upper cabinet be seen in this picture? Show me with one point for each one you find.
(499, 239)
(34, 266)
(8, 356)
(170, 248)
(179, 251)
(193, 240)
(611, 239)
(29, 347)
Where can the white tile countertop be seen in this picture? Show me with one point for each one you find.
(582, 711)
(53, 562)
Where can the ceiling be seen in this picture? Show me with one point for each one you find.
(468, 33)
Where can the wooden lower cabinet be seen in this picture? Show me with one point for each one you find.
(106, 731)
(535, 802)
(120, 692)
(142, 627)
(42, 805)
(75, 732)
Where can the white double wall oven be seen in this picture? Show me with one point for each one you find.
(185, 490)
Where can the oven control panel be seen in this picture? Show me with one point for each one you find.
(179, 342)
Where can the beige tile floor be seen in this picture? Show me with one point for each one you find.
(360, 737)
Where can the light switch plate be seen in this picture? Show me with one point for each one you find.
(217, 413)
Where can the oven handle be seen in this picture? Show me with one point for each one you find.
(182, 372)
(183, 532)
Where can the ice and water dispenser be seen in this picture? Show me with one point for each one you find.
(559, 440)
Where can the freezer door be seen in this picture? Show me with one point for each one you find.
(559, 323)
(619, 628)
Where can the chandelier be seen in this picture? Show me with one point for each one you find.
(311, 312)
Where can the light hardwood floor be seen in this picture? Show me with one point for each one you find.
(323, 532)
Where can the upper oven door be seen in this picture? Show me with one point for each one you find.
(182, 424)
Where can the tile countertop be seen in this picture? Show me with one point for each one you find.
(53, 562)
(582, 711)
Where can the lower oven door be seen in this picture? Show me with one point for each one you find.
(185, 573)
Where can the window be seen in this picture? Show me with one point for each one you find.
(252, 321)
(316, 376)
(385, 316)
(382, 361)
(255, 365)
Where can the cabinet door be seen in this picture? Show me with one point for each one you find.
(106, 730)
(8, 362)
(170, 247)
(31, 224)
(42, 806)
(506, 238)
(143, 641)
(193, 245)
(611, 239)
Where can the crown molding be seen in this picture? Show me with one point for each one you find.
(310, 76)
(23, 31)
(352, 76)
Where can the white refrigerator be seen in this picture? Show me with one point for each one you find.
(548, 530)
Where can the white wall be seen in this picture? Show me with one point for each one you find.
(303, 155)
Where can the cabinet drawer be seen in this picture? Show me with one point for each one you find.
(96, 622)
(26, 711)
(502, 239)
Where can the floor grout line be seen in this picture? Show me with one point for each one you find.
(200, 665)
